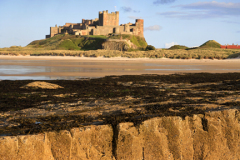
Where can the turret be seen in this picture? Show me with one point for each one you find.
(139, 26)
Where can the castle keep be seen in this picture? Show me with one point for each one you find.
(106, 23)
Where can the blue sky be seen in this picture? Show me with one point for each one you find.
(166, 22)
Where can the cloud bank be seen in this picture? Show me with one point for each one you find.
(202, 10)
(233, 22)
(129, 9)
(153, 28)
(157, 2)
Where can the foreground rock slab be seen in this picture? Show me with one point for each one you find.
(208, 136)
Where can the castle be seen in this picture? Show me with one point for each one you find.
(107, 23)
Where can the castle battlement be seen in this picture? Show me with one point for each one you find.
(105, 11)
(105, 24)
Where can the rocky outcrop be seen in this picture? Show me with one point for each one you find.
(213, 135)
(116, 44)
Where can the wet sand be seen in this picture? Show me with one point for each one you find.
(57, 66)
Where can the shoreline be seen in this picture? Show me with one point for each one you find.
(28, 57)
(91, 67)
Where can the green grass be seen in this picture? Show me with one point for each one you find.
(76, 42)
(140, 42)
(211, 44)
(235, 55)
(200, 53)
(88, 46)
(178, 47)
(69, 42)
(68, 45)
(97, 36)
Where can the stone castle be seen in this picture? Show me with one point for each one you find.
(106, 24)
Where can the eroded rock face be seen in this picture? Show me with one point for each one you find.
(116, 44)
(92, 142)
(214, 135)
(112, 45)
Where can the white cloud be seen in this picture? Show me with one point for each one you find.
(211, 5)
(202, 10)
(168, 45)
(153, 28)
(188, 15)
(163, 1)
(129, 9)
(233, 22)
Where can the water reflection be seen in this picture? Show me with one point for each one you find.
(73, 69)
(42, 77)
(192, 69)
(25, 78)
(17, 69)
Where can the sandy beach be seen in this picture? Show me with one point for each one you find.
(67, 66)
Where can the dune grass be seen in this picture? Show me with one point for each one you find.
(88, 46)
(200, 53)
(211, 44)
(178, 47)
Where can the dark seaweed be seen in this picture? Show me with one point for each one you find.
(112, 87)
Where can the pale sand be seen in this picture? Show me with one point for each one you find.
(132, 66)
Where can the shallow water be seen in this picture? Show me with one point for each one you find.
(74, 69)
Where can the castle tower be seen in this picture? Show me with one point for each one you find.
(108, 19)
(54, 31)
(126, 28)
(139, 27)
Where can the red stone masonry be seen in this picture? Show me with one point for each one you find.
(230, 46)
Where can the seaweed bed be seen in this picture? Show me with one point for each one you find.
(129, 98)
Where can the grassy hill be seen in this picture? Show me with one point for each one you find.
(73, 42)
(178, 47)
(69, 42)
(211, 44)
(71, 45)
(140, 42)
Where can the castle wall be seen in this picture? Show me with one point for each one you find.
(84, 32)
(53, 31)
(90, 22)
(72, 25)
(69, 24)
(104, 30)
